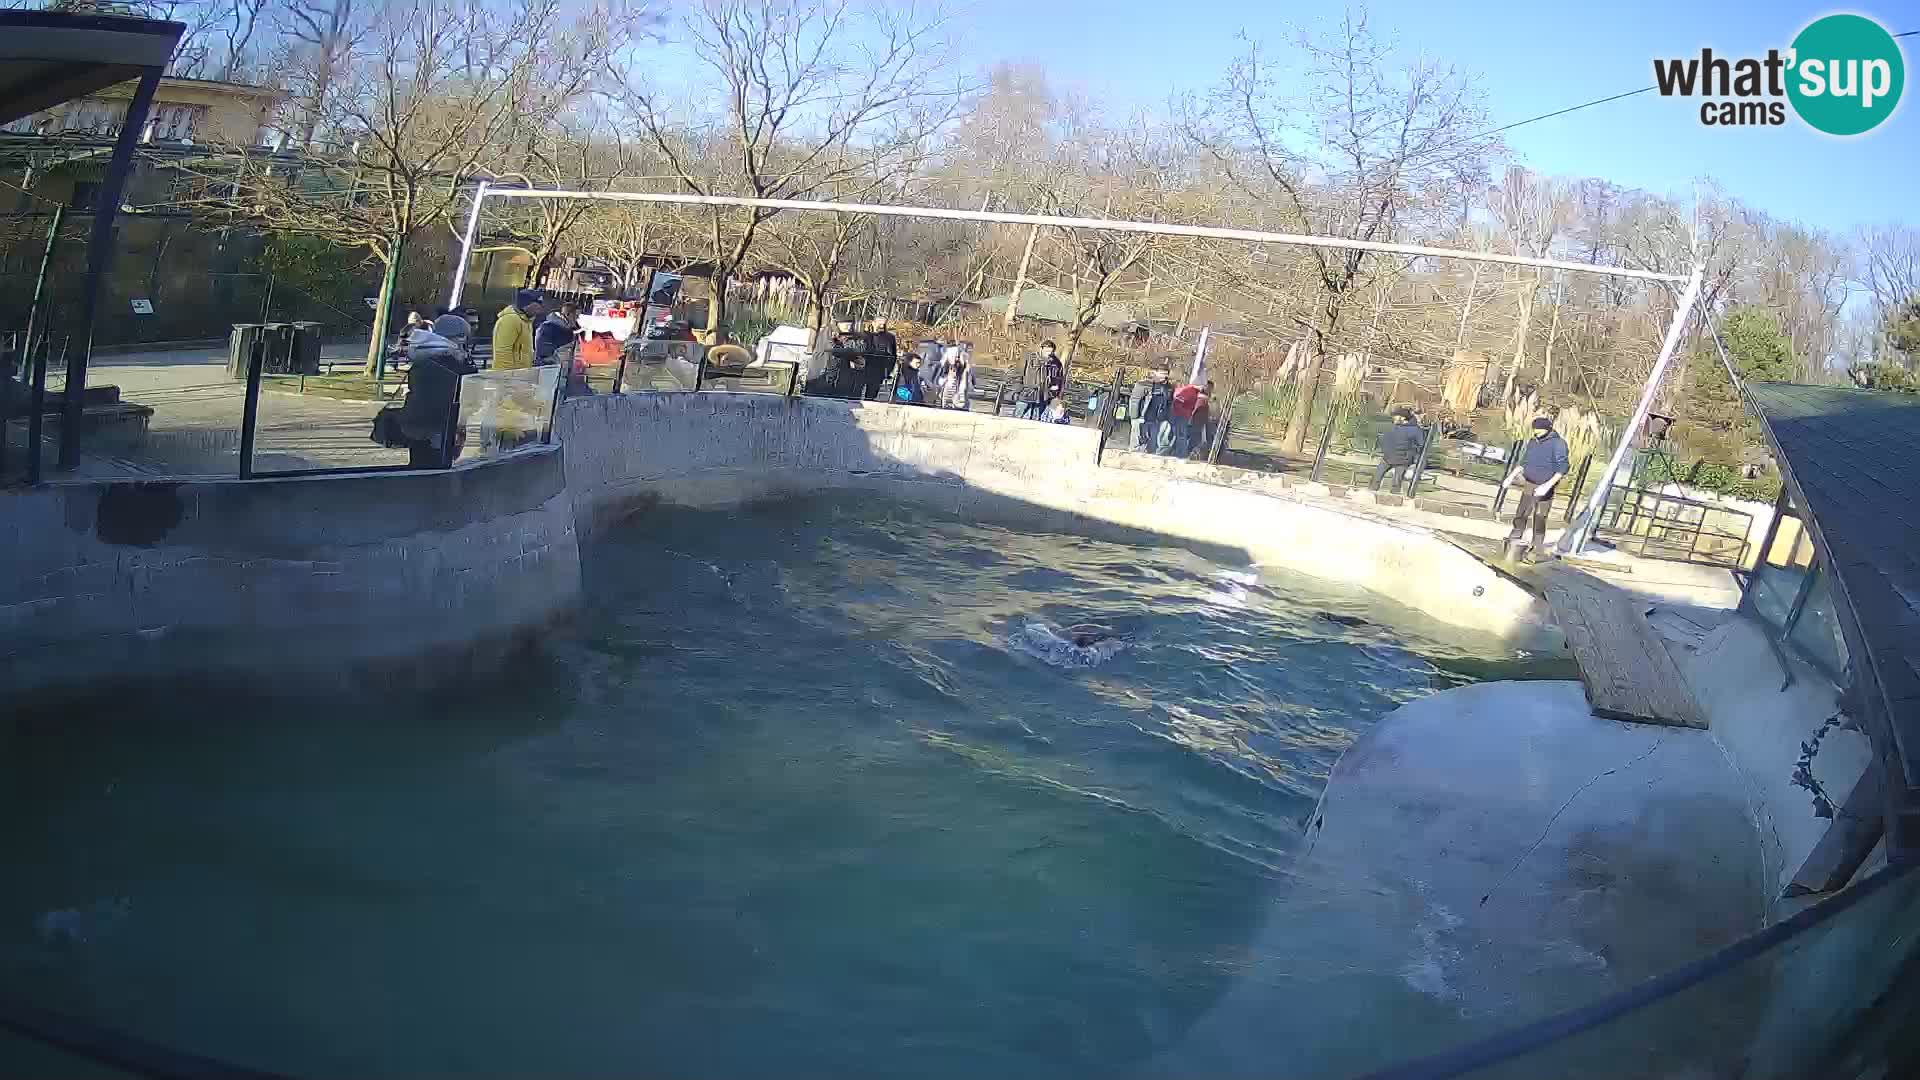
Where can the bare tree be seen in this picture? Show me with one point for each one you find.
(819, 97)
(1367, 146)
(417, 107)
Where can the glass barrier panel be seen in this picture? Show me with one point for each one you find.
(1816, 634)
(774, 378)
(504, 411)
(1775, 584)
(318, 403)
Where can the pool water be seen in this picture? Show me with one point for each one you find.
(797, 798)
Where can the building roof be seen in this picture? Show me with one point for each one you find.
(1049, 304)
(1851, 459)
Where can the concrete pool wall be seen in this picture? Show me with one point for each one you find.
(712, 450)
(279, 579)
(352, 573)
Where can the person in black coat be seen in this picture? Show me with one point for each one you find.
(883, 352)
(433, 392)
(1399, 445)
(845, 373)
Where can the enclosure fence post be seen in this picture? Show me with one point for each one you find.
(1420, 463)
(1575, 537)
(36, 420)
(250, 408)
(466, 247)
(1573, 495)
(1326, 438)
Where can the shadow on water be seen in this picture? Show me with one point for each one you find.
(786, 802)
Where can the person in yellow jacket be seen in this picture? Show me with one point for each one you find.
(513, 331)
(514, 413)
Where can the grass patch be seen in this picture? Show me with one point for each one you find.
(354, 387)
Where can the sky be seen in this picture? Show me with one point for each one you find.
(1531, 58)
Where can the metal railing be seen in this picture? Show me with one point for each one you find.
(1672, 527)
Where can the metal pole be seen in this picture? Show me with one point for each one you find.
(1326, 438)
(36, 420)
(448, 452)
(1512, 462)
(100, 252)
(466, 248)
(40, 281)
(1200, 356)
(1209, 232)
(1573, 496)
(1575, 537)
(250, 407)
(1420, 463)
(25, 365)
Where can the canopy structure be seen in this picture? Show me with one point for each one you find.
(50, 57)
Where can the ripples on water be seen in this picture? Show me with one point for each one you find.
(790, 803)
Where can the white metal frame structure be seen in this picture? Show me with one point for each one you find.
(1571, 541)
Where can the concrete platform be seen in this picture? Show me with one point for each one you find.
(1498, 854)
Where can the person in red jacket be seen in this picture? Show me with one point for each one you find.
(1198, 434)
(1181, 420)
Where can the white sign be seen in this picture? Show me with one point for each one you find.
(143, 307)
(373, 302)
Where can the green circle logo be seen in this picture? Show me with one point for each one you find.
(1847, 74)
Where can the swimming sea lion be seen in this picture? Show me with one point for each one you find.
(1085, 634)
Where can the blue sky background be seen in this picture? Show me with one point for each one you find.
(1531, 58)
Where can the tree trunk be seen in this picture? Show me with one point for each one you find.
(1186, 309)
(716, 309)
(817, 307)
(1520, 339)
(376, 368)
(1295, 440)
(1020, 280)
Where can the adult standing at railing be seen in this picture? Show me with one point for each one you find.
(1398, 446)
(513, 331)
(883, 353)
(1543, 462)
(435, 367)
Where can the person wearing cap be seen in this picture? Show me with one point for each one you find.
(513, 331)
(1399, 445)
(1542, 465)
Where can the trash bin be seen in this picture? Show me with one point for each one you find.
(276, 338)
(240, 345)
(306, 348)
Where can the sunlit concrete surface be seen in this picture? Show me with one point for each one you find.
(1515, 856)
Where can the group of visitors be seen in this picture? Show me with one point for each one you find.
(1169, 420)
(858, 362)
(530, 333)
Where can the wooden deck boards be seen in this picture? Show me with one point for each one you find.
(1625, 667)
